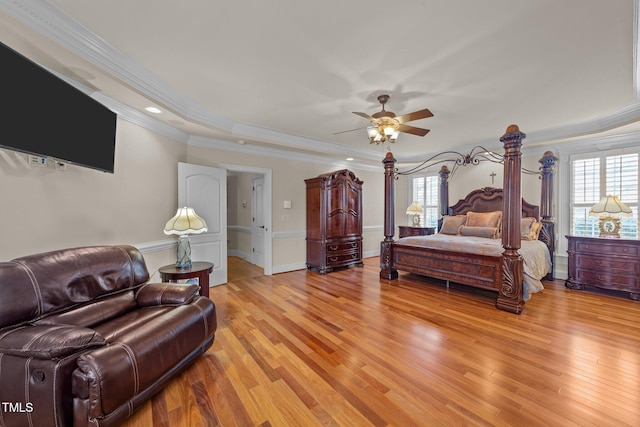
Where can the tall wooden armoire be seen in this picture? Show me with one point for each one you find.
(334, 221)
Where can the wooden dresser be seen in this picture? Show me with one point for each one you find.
(604, 263)
(334, 221)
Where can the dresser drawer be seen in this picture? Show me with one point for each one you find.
(608, 247)
(612, 281)
(599, 263)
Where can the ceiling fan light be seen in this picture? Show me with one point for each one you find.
(385, 125)
(372, 131)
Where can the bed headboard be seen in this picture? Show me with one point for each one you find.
(489, 199)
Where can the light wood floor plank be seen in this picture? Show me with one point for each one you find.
(347, 349)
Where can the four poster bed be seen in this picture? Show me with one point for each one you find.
(480, 240)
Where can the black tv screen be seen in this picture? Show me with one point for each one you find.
(42, 114)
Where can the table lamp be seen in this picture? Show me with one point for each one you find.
(416, 210)
(610, 209)
(184, 223)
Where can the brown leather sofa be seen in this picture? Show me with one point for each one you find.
(85, 339)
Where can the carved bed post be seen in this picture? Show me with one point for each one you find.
(510, 296)
(386, 270)
(548, 234)
(444, 194)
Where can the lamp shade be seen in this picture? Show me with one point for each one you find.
(610, 206)
(414, 209)
(185, 221)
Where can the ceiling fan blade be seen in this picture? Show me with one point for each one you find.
(416, 115)
(350, 130)
(413, 130)
(366, 116)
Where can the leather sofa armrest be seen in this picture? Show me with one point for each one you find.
(48, 341)
(153, 294)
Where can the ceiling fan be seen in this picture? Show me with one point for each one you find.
(385, 125)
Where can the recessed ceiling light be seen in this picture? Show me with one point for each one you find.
(153, 110)
(241, 141)
(349, 159)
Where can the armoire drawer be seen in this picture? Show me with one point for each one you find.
(343, 258)
(333, 248)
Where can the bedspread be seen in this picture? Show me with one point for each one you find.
(535, 254)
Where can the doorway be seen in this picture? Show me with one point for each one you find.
(258, 253)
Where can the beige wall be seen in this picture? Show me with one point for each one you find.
(44, 209)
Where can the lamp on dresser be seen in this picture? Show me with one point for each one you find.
(610, 209)
(416, 210)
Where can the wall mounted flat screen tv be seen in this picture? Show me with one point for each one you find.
(43, 115)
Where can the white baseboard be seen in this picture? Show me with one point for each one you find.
(240, 254)
(289, 267)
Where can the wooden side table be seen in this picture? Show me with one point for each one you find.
(407, 230)
(199, 270)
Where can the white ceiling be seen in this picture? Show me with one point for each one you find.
(289, 73)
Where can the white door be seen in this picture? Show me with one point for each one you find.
(204, 189)
(257, 225)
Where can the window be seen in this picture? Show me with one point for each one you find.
(598, 175)
(424, 190)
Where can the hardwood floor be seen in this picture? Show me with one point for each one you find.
(346, 349)
(238, 269)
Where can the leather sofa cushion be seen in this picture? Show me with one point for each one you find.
(165, 294)
(138, 356)
(48, 341)
(59, 280)
(94, 313)
(135, 320)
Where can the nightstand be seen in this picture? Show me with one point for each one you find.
(199, 270)
(407, 230)
(606, 263)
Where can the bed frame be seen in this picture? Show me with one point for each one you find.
(503, 274)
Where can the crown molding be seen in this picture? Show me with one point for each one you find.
(257, 150)
(126, 112)
(602, 143)
(48, 20)
(248, 131)
(613, 120)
